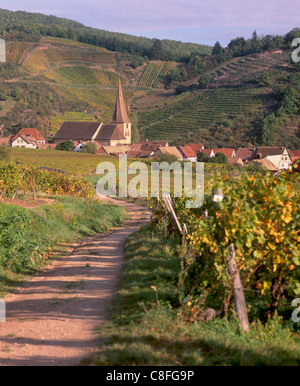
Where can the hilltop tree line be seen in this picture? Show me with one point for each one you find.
(239, 47)
(22, 25)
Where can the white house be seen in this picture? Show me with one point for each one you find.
(279, 156)
(24, 141)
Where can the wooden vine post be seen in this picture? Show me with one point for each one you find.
(238, 292)
(168, 203)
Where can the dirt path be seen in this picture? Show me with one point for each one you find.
(52, 319)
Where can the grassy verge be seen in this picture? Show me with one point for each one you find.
(146, 327)
(28, 237)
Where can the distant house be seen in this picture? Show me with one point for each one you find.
(208, 152)
(113, 150)
(229, 153)
(146, 142)
(266, 164)
(117, 132)
(188, 153)
(24, 141)
(31, 134)
(294, 154)
(169, 150)
(245, 154)
(197, 147)
(279, 156)
(6, 140)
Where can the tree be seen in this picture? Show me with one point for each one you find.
(65, 146)
(217, 49)
(269, 128)
(254, 37)
(156, 51)
(220, 158)
(266, 79)
(89, 147)
(204, 80)
(202, 157)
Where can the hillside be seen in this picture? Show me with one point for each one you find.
(231, 110)
(251, 94)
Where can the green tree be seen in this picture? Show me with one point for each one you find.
(269, 128)
(89, 147)
(157, 51)
(217, 49)
(220, 158)
(204, 80)
(65, 146)
(202, 157)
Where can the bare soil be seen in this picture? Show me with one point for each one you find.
(52, 320)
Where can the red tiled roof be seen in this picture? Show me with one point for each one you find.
(29, 132)
(245, 153)
(295, 153)
(207, 151)
(187, 151)
(227, 151)
(195, 146)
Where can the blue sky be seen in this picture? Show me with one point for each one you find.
(196, 21)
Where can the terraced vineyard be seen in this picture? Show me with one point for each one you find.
(87, 76)
(15, 51)
(195, 113)
(41, 58)
(155, 74)
(249, 68)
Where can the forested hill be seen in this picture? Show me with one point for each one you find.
(245, 94)
(27, 26)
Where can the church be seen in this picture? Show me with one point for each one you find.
(117, 132)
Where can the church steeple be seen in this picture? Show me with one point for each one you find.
(120, 114)
(120, 117)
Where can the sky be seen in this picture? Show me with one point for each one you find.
(196, 21)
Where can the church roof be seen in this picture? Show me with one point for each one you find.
(120, 114)
(112, 132)
(77, 130)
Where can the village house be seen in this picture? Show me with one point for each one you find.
(187, 153)
(245, 153)
(29, 138)
(117, 132)
(279, 156)
(24, 141)
(229, 153)
(169, 150)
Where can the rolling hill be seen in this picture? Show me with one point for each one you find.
(49, 79)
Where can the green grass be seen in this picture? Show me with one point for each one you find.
(146, 327)
(28, 237)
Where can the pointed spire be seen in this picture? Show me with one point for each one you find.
(120, 114)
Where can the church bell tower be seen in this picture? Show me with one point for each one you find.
(120, 116)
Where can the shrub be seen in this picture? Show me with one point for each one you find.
(65, 146)
(90, 147)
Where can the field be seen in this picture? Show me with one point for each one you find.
(15, 51)
(74, 163)
(155, 74)
(87, 76)
(41, 58)
(194, 114)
